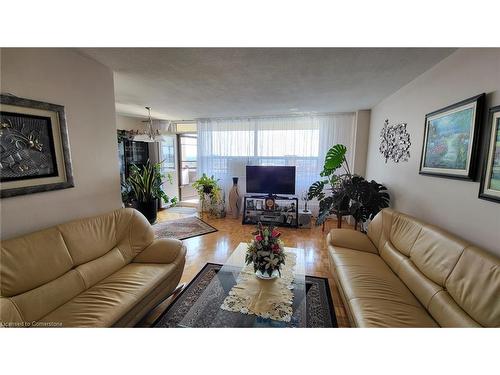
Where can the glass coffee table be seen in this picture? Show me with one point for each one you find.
(206, 311)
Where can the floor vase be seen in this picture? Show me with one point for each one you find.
(234, 199)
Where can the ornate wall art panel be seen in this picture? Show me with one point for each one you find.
(395, 142)
(34, 148)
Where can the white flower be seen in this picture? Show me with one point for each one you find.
(272, 261)
(244, 310)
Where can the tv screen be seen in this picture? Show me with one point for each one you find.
(270, 180)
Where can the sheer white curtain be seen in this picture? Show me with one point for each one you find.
(226, 146)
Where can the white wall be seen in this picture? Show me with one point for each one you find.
(361, 139)
(85, 88)
(128, 123)
(450, 204)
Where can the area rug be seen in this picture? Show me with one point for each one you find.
(182, 229)
(319, 306)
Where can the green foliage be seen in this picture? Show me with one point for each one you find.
(362, 198)
(144, 184)
(334, 159)
(208, 186)
(316, 190)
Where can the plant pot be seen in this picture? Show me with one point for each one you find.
(148, 209)
(265, 276)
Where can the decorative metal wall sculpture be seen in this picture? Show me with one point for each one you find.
(34, 150)
(395, 142)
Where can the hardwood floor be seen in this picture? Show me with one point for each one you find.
(216, 248)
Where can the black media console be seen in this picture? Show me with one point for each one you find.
(271, 209)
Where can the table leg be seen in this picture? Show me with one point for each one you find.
(339, 221)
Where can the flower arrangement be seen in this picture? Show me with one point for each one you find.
(266, 252)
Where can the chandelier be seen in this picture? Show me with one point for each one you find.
(150, 132)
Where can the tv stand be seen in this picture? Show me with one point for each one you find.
(271, 209)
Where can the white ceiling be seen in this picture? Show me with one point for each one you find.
(189, 83)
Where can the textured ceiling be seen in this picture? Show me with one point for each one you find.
(189, 83)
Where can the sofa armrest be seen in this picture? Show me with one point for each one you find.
(163, 250)
(351, 239)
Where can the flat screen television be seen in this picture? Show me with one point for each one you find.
(270, 180)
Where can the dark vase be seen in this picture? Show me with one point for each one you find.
(148, 209)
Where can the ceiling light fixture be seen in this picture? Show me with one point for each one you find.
(151, 133)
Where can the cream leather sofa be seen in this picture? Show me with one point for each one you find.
(405, 273)
(102, 271)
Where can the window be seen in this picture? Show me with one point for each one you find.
(189, 151)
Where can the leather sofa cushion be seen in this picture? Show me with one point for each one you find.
(349, 257)
(436, 252)
(91, 238)
(32, 260)
(107, 301)
(351, 239)
(474, 284)
(374, 312)
(163, 250)
(9, 314)
(404, 231)
(96, 270)
(447, 313)
(40, 301)
(369, 277)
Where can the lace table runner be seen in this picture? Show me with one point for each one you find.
(265, 298)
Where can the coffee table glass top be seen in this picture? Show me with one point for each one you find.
(206, 311)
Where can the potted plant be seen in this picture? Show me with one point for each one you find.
(210, 192)
(346, 191)
(144, 188)
(266, 252)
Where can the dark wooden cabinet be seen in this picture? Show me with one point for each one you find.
(131, 152)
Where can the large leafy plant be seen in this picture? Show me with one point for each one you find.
(208, 186)
(340, 190)
(144, 183)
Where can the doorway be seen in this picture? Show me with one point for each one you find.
(188, 164)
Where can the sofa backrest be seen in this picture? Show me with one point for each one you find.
(43, 270)
(458, 283)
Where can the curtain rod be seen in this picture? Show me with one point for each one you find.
(305, 114)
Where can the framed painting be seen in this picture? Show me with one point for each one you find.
(34, 147)
(450, 140)
(489, 187)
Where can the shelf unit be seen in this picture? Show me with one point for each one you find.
(284, 212)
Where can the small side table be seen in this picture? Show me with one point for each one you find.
(339, 215)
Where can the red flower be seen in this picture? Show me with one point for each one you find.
(275, 234)
(258, 238)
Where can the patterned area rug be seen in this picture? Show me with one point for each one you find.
(182, 228)
(319, 307)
